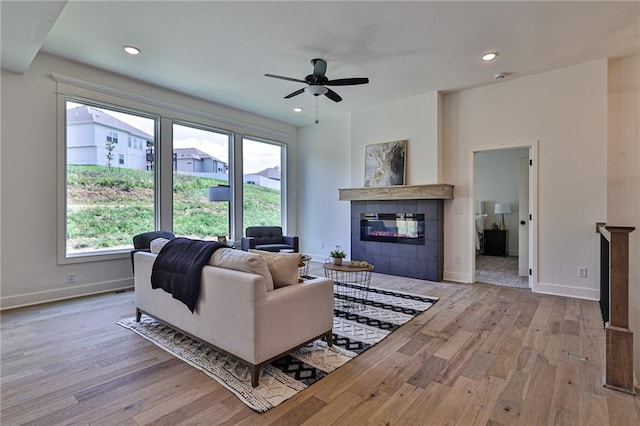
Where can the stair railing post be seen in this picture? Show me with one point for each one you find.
(619, 338)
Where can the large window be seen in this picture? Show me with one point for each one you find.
(201, 192)
(131, 164)
(262, 178)
(109, 192)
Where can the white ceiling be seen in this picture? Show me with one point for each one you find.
(220, 51)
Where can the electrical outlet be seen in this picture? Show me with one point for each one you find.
(582, 272)
(457, 259)
(71, 277)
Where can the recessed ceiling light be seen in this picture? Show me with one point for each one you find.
(489, 56)
(131, 50)
(298, 109)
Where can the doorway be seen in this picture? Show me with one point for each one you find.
(504, 192)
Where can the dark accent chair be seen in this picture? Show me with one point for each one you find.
(142, 242)
(268, 238)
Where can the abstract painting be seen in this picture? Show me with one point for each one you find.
(384, 164)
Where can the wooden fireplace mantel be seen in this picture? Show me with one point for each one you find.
(398, 192)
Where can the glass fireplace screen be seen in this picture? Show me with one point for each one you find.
(402, 228)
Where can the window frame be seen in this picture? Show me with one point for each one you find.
(63, 256)
(283, 177)
(230, 150)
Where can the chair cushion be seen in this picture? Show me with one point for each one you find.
(273, 247)
(283, 267)
(243, 261)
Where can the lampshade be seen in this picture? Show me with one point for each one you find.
(220, 193)
(502, 208)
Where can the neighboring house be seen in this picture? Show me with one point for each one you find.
(269, 178)
(192, 160)
(90, 130)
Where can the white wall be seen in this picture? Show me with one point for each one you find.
(29, 268)
(565, 110)
(497, 176)
(623, 173)
(415, 119)
(324, 159)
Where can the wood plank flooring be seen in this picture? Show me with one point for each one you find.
(482, 355)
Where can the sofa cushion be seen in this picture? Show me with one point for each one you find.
(283, 267)
(157, 244)
(242, 261)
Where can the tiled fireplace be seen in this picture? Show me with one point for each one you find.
(399, 237)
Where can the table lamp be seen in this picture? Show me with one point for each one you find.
(501, 209)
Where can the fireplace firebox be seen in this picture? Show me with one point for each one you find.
(400, 228)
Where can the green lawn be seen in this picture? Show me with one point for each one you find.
(106, 208)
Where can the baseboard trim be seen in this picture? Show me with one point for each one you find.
(566, 291)
(37, 298)
(456, 277)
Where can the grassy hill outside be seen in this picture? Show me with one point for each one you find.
(106, 208)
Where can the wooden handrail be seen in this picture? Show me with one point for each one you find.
(619, 338)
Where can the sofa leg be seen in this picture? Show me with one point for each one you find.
(330, 338)
(138, 315)
(255, 375)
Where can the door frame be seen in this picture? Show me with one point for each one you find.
(532, 145)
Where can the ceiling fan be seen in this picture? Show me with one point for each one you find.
(317, 82)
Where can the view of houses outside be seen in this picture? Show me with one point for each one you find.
(110, 179)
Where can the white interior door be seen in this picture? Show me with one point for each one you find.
(523, 218)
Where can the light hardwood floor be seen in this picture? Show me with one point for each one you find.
(482, 355)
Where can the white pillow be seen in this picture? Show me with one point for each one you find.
(242, 261)
(480, 223)
(157, 244)
(283, 267)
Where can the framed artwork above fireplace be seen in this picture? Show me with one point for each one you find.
(385, 164)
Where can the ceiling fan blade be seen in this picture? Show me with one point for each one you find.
(292, 94)
(333, 95)
(347, 81)
(285, 78)
(319, 67)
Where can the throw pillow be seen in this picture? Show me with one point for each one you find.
(242, 261)
(157, 244)
(283, 267)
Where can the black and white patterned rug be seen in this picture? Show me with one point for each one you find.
(362, 318)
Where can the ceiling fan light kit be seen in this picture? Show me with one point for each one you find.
(316, 90)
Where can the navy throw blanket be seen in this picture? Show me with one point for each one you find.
(178, 268)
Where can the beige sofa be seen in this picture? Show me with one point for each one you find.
(238, 314)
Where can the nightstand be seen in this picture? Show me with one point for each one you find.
(495, 242)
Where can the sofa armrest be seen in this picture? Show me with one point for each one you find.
(291, 315)
(291, 241)
(248, 243)
(134, 251)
